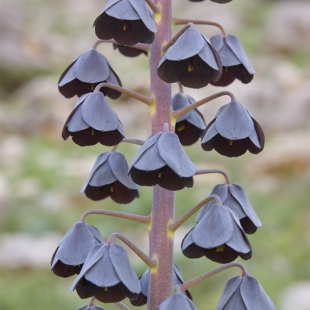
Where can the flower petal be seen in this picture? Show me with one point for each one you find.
(98, 114)
(236, 46)
(234, 122)
(239, 194)
(214, 229)
(91, 67)
(119, 168)
(190, 43)
(254, 295)
(122, 267)
(231, 287)
(172, 152)
(221, 190)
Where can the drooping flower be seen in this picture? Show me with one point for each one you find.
(219, 236)
(235, 62)
(177, 301)
(191, 60)
(161, 160)
(234, 197)
(233, 131)
(85, 73)
(126, 21)
(93, 121)
(107, 275)
(190, 126)
(129, 51)
(88, 307)
(73, 249)
(109, 178)
(144, 283)
(244, 293)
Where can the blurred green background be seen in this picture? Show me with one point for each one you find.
(41, 175)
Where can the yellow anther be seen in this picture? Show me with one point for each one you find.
(220, 248)
(92, 131)
(106, 289)
(124, 26)
(226, 69)
(180, 128)
(111, 189)
(159, 174)
(190, 68)
(92, 87)
(231, 142)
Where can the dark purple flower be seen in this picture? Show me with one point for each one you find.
(235, 62)
(73, 249)
(85, 73)
(233, 131)
(129, 51)
(177, 301)
(244, 293)
(144, 283)
(109, 178)
(190, 126)
(126, 21)
(191, 60)
(93, 121)
(107, 275)
(161, 160)
(234, 197)
(219, 236)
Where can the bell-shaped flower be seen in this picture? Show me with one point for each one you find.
(85, 73)
(190, 126)
(161, 160)
(73, 249)
(177, 301)
(219, 236)
(233, 131)
(144, 283)
(191, 60)
(234, 197)
(126, 21)
(107, 275)
(235, 62)
(88, 307)
(244, 293)
(129, 51)
(93, 120)
(109, 178)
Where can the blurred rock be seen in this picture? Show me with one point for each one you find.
(288, 27)
(296, 296)
(285, 155)
(25, 250)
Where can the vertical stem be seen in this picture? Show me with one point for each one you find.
(161, 242)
